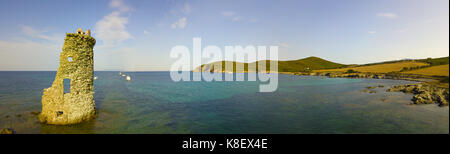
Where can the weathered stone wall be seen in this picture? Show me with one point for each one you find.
(69, 108)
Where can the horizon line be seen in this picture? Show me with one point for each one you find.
(113, 70)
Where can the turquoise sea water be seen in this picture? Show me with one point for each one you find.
(153, 103)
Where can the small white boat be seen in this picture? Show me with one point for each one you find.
(123, 75)
(128, 78)
(95, 77)
(120, 73)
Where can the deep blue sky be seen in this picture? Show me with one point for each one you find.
(138, 35)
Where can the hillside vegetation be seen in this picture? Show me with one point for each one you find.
(380, 68)
(440, 70)
(307, 64)
(301, 65)
(419, 66)
(436, 61)
(432, 67)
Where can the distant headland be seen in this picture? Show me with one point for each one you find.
(431, 73)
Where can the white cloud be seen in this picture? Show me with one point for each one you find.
(181, 23)
(372, 32)
(119, 5)
(180, 10)
(31, 32)
(112, 28)
(388, 15)
(233, 16)
(38, 50)
(145, 32)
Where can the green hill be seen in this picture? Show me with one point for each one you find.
(301, 65)
(431, 61)
(436, 61)
(306, 65)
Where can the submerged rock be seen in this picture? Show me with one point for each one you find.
(371, 87)
(368, 90)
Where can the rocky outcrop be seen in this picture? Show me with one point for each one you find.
(7, 131)
(371, 87)
(368, 75)
(351, 75)
(369, 91)
(424, 93)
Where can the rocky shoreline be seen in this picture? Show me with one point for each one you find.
(393, 76)
(424, 92)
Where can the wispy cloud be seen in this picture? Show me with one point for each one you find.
(21, 53)
(388, 15)
(112, 28)
(119, 5)
(372, 32)
(32, 32)
(181, 9)
(181, 23)
(233, 16)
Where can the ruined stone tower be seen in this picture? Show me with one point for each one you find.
(72, 105)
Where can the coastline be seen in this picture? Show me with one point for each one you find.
(429, 90)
